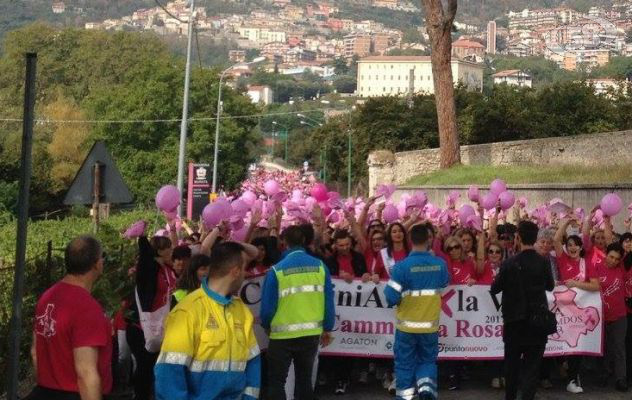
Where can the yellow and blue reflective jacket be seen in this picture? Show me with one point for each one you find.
(209, 350)
(414, 288)
(297, 298)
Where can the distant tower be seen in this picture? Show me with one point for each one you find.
(491, 37)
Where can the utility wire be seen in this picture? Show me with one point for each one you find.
(150, 121)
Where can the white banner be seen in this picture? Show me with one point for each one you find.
(471, 324)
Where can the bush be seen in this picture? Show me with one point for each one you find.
(41, 271)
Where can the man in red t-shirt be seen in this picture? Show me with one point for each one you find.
(72, 346)
(612, 281)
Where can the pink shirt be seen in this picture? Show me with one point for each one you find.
(461, 271)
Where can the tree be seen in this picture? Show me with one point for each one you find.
(340, 66)
(345, 84)
(67, 145)
(439, 24)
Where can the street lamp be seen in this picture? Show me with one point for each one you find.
(287, 134)
(185, 107)
(219, 112)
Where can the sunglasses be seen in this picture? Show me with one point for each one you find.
(456, 247)
(505, 237)
(490, 251)
(378, 238)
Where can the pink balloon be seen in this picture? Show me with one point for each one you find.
(271, 187)
(522, 201)
(473, 194)
(474, 222)
(390, 213)
(137, 229)
(611, 204)
(464, 212)
(168, 198)
(498, 186)
(489, 201)
(214, 213)
(249, 198)
(507, 200)
(319, 192)
(240, 207)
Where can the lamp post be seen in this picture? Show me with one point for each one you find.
(349, 158)
(219, 112)
(185, 107)
(287, 135)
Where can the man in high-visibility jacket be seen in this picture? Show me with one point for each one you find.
(210, 350)
(297, 307)
(414, 288)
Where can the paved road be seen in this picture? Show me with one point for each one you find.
(373, 391)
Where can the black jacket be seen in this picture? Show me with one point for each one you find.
(533, 272)
(358, 263)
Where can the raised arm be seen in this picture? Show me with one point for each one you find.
(365, 211)
(255, 218)
(608, 230)
(558, 239)
(357, 231)
(209, 241)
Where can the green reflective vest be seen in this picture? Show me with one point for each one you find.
(301, 306)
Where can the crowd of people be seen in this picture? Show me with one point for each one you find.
(185, 280)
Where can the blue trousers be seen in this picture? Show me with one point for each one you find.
(416, 364)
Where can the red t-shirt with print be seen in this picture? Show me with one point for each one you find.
(490, 270)
(68, 317)
(571, 269)
(612, 282)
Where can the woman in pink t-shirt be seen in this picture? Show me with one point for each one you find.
(574, 271)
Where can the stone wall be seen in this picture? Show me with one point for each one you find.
(601, 148)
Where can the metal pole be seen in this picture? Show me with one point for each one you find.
(15, 327)
(349, 168)
(287, 136)
(216, 150)
(185, 110)
(96, 195)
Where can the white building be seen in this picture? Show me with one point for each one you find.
(513, 77)
(391, 75)
(260, 94)
(606, 86)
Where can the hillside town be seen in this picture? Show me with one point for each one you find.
(295, 39)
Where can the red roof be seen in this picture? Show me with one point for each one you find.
(467, 43)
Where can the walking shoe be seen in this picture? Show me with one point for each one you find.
(573, 387)
(496, 383)
(621, 385)
(453, 383)
(392, 389)
(364, 377)
(341, 388)
(426, 396)
(546, 384)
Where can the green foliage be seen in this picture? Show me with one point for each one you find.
(542, 71)
(408, 52)
(504, 113)
(40, 273)
(119, 76)
(306, 86)
(518, 174)
(618, 67)
(345, 84)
